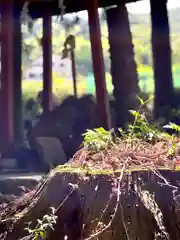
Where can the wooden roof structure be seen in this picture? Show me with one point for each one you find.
(37, 7)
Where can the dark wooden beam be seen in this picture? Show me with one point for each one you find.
(47, 61)
(17, 63)
(103, 108)
(37, 8)
(6, 90)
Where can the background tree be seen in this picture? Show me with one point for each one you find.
(123, 65)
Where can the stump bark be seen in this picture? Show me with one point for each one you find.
(141, 205)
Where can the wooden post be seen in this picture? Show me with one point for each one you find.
(6, 88)
(18, 120)
(161, 57)
(47, 62)
(73, 67)
(98, 65)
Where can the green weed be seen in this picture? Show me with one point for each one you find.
(39, 232)
(97, 139)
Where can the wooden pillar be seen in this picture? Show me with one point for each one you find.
(161, 56)
(123, 65)
(17, 64)
(6, 88)
(73, 67)
(98, 65)
(47, 61)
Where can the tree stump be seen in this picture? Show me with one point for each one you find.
(137, 204)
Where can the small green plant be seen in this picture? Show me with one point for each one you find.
(97, 139)
(173, 127)
(137, 114)
(141, 128)
(40, 230)
(101, 139)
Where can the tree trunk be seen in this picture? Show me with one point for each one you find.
(146, 208)
(123, 65)
(161, 57)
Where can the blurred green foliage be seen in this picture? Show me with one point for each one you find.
(141, 32)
